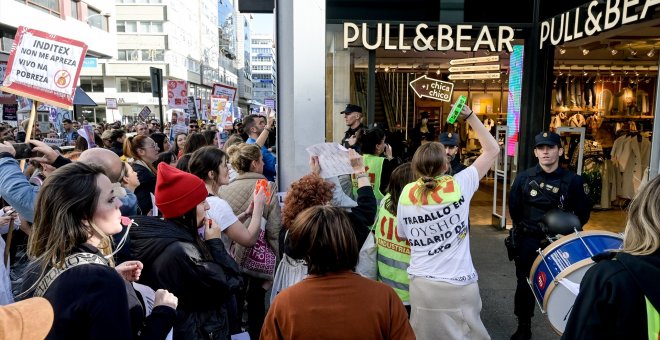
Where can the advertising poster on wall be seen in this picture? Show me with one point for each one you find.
(44, 67)
(177, 94)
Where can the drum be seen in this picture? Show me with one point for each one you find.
(558, 270)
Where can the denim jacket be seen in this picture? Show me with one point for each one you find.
(16, 189)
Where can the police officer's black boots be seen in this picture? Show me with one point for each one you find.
(524, 331)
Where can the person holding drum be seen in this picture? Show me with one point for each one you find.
(620, 295)
(535, 192)
(433, 215)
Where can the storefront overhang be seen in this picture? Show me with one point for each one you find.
(82, 99)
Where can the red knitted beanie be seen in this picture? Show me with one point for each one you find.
(177, 192)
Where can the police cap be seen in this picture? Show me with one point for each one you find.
(547, 138)
(448, 139)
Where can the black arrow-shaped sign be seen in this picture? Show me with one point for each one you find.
(432, 88)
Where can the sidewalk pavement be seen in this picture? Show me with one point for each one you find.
(497, 284)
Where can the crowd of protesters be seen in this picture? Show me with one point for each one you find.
(155, 235)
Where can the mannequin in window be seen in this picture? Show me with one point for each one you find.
(424, 131)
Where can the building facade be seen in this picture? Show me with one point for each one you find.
(264, 69)
(155, 33)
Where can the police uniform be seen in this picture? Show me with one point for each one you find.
(533, 194)
(451, 139)
(350, 108)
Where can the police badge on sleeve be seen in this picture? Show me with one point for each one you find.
(586, 188)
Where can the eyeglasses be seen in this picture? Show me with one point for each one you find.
(154, 146)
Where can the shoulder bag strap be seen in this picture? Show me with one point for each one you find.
(70, 262)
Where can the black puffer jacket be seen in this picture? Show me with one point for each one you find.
(173, 261)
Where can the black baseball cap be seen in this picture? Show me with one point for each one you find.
(350, 108)
(547, 138)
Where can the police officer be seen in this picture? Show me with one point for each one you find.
(450, 141)
(535, 192)
(353, 118)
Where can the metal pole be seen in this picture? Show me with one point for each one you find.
(655, 144)
(160, 100)
(405, 124)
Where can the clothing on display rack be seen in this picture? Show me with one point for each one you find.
(576, 120)
(589, 92)
(631, 154)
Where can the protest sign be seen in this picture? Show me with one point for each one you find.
(177, 94)
(191, 109)
(9, 112)
(53, 141)
(44, 67)
(144, 113)
(224, 90)
(218, 105)
(5, 98)
(87, 132)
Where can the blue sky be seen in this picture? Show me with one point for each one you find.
(262, 24)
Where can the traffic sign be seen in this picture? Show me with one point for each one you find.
(432, 88)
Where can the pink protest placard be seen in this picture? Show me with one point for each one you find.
(44, 67)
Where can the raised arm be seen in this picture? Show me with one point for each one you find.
(490, 148)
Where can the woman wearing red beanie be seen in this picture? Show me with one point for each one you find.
(183, 253)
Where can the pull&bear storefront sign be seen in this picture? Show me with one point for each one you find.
(593, 18)
(447, 37)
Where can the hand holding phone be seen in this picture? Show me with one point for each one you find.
(24, 151)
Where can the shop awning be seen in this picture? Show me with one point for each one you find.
(81, 98)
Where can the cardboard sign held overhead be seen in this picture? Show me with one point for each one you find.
(44, 67)
(177, 94)
(224, 90)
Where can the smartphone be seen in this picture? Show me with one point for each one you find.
(24, 150)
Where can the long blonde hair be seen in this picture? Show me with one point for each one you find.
(642, 235)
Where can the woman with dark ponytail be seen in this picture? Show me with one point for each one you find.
(433, 215)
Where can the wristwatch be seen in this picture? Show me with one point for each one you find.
(361, 175)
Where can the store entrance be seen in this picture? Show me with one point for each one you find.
(607, 85)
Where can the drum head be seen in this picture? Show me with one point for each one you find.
(566, 239)
(559, 299)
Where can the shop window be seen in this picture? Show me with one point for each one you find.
(91, 84)
(134, 84)
(51, 7)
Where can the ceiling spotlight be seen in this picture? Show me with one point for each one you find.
(561, 73)
(632, 52)
(437, 72)
(613, 51)
(403, 51)
(651, 53)
(585, 73)
(387, 68)
(585, 51)
(562, 50)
